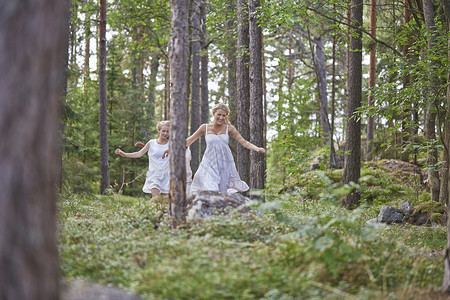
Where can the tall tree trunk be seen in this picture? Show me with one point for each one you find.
(166, 90)
(103, 114)
(204, 74)
(33, 41)
(63, 101)
(352, 163)
(243, 89)
(333, 159)
(446, 280)
(444, 189)
(406, 119)
(257, 160)
(231, 70)
(430, 122)
(321, 75)
(154, 66)
(372, 76)
(195, 82)
(178, 60)
(87, 49)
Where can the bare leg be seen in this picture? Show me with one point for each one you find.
(155, 193)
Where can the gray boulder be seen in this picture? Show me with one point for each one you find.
(203, 204)
(406, 208)
(390, 214)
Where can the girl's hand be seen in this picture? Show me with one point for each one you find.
(165, 154)
(119, 152)
(261, 150)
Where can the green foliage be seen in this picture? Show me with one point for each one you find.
(291, 247)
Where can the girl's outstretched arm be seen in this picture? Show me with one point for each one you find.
(238, 137)
(201, 130)
(134, 154)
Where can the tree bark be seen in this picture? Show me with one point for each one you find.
(195, 82)
(154, 66)
(243, 89)
(406, 79)
(231, 70)
(204, 75)
(372, 76)
(257, 160)
(33, 42)
(352, 162)
(103, 114)
(446, 280)
(178, 60)
(430, 122)
(321, 75)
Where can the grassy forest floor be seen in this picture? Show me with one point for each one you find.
(299, 244)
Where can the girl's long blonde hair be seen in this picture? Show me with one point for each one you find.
(224, 108)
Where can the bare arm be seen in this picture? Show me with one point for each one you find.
(134, 154)
(201, 130)
(238, 137)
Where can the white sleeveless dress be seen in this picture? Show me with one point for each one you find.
(217, 171)
(158, 174)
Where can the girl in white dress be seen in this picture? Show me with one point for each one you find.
(157, 180)
(217, 171)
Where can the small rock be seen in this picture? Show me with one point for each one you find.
(204, 204)
(372, 221)
(406, 208)
(390, 214)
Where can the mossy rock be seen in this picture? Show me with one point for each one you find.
(436, 218)
(429, 206)
(429, 212)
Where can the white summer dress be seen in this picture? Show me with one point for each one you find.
(158, 174)
(217, 171)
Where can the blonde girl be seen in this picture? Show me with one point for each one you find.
(157, 181)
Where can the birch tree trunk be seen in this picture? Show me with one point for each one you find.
(103, 114)
(33, 43)
(178, 60)
(243, 89)
(257, 160)
(352, 162)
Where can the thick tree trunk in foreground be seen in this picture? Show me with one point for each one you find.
(352, 163)
(103, 114)
(243, 90)
(33, 40)
(257, 160)
(178, 59)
